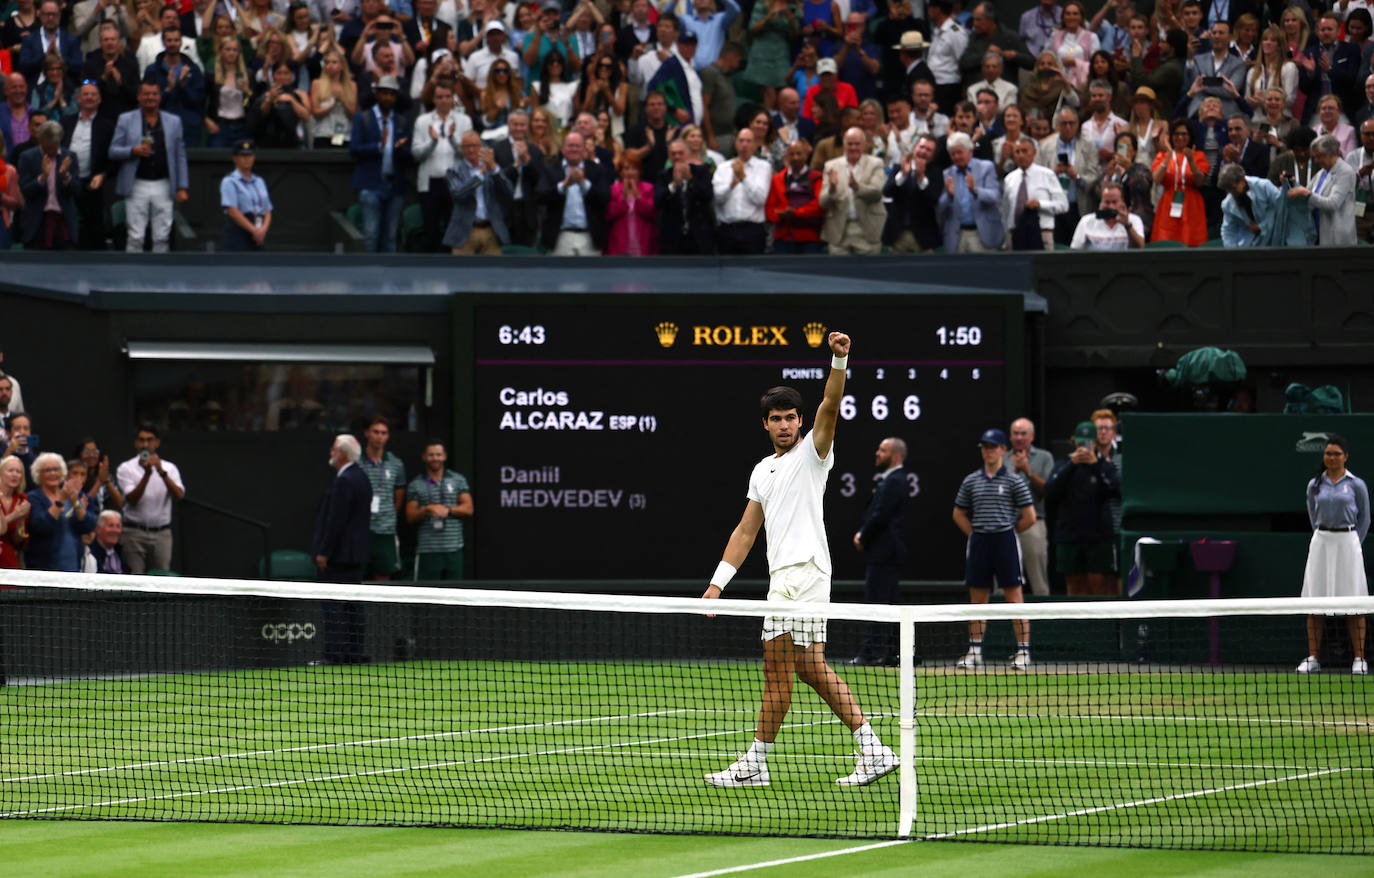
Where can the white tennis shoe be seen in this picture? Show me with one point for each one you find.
(744, 773)
(1359, 667)
(1020, 661)
(971, 662)
(870, 768)
(1310, 665)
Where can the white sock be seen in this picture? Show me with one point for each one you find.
(867, 739)
(758, 751)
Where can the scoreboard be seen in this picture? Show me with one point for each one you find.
(613, 437)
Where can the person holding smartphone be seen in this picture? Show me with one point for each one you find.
(1111, 227)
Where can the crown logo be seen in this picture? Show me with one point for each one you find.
(667, 333)
(815, 333)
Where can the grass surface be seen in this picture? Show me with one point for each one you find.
(1256, 761)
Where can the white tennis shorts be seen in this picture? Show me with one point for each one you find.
(799, 582)
(1335, 566)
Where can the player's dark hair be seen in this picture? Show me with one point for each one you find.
(431, 442)
(379, 419)
(779, 399)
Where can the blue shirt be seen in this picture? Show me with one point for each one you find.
(480, 194)
(1343, 504)
(710, 32)
(388, 145)
(249, 196)
(995, 501)
(964, 198)
(575, 205)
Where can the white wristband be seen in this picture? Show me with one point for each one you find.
(724, 573)
(840, 363)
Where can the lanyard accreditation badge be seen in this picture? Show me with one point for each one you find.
(1176, 206)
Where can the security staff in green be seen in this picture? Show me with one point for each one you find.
(437, 502)
(387, 474)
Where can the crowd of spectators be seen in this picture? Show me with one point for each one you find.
(688, 126)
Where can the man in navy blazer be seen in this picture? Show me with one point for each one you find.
(594, 186)
(1334, 62)
(48, 38)
(150, 138)
(340, 547)
(380, 146)
(787, 117)
(473, 228)
(968, 208)
(880, 539)
(49, 174)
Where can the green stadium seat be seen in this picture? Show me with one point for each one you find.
(291, 565)
(413, 229)
(1166, 245)
(162, 573)
(519, 250)
(1215, 242)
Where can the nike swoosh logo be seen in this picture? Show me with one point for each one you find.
(741, 778)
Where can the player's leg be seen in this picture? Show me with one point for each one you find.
(1315, 626)
(751, 769)
(778, 674)
(813, 670)
(873, 758)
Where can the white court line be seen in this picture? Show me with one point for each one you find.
(730, 870)
(1138, 803)
(749, 867)
(360, 743)
(1099, 763)
(377, 771)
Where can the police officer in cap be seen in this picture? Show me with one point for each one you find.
(247, 206)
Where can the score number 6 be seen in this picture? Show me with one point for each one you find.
(911, 407)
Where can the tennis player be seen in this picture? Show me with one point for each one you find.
(785, 493)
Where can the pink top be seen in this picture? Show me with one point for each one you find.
(633, 232)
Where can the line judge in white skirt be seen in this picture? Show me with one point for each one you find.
(1338, 506)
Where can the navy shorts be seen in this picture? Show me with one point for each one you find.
(993, 555)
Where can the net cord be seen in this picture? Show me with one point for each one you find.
(1076, 609)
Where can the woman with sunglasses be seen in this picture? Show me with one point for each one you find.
(1180, 213)
(499, 98)
(603, 89)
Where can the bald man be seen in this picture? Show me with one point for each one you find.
(1034, 465)
(852, 198)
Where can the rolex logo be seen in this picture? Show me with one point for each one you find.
(815, 334)
(667, 333)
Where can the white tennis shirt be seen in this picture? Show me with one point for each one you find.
(791, 489)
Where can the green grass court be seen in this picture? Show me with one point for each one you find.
(1212, 760)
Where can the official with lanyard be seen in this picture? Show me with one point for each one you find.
(247, 206)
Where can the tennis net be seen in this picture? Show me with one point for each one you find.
(1177, 724)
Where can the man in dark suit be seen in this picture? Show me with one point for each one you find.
(48, 38)
(380, 146)
(1250, 154)
(424, 32)
(1335, 68)
(637, 31)
(49, 180)
(573, 193)
(880, 539)
(88, 136)
(788, 120)
(117, 73)
(913, 192)
(105, 551)
(684, 199)
(520, 161)
(340, 547)
(481, 196)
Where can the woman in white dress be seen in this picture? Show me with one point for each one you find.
(1338, 507)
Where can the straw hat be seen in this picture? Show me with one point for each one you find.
(1145, 93)
(912, 41)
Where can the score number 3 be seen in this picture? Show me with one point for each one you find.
(849, 486)
(849, 407)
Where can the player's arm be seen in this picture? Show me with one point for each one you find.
(737, 549)
(823, 431)
(1027, 518)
